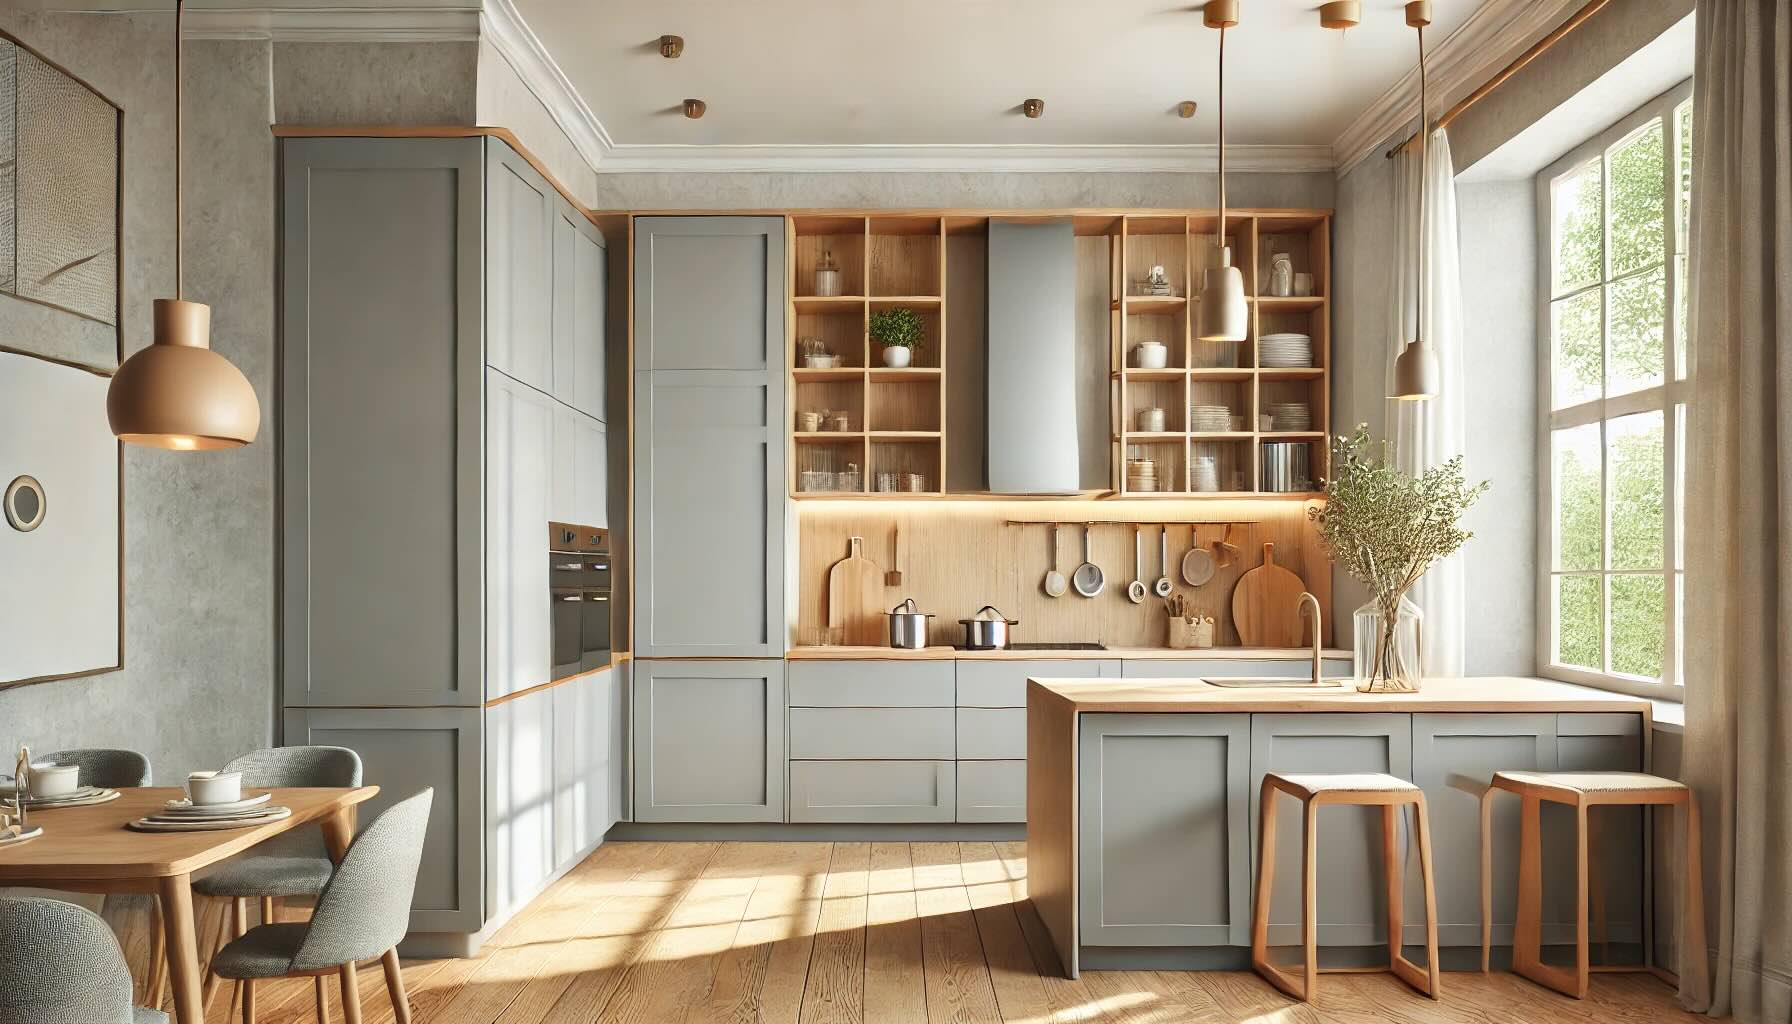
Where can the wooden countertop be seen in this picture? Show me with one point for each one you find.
(1111, 654)
(1476, 694)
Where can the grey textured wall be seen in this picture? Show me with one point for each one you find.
(199, 641)
(375, 83)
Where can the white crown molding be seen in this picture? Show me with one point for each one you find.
(336, 24)
(503, 27)
(1495, 33)
(627, 158)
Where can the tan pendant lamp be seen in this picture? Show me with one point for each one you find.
(1416, 373)
(1223, 312)
(178, 393)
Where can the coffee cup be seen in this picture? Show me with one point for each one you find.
(205, 788)
(53, 780)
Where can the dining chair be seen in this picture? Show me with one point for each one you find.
(362, 913)
(59, 964)
(293, 864)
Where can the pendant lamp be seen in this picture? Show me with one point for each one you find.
(177, 393)
(1223, 312)
(1416, 374)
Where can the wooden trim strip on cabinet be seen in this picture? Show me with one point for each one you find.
(615, 660)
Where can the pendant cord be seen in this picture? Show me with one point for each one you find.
(179, 212)
(1222, 94)
(1424, 130)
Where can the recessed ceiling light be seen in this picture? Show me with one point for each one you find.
(1033, 108)
(694, 109)
(1185, 109)
(671, 46)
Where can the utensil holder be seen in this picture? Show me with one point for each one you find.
(1189, 634)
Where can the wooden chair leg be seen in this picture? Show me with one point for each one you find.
(267, 910)
(401, 1004)
(1433, 970)
(1309, 899)
(248, 1002)
(1266, 873)
(157, 975)
(1527, 932)
(1390, 866)
(241, 922)
(351, 995)
(220, 937)
(323, 999)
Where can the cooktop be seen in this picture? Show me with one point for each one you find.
(1048, 647)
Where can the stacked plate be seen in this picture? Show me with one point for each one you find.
(1141, 475)
(1285, 350)
(1204, 474)
(1206, 419)
(185, 816)
(1288, 417)
(80, 797)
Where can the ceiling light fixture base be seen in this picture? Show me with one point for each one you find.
(695, 109)
(1418, 14)
(671, 47)
(1341, 14)
(1034, 108)
(1220, 13)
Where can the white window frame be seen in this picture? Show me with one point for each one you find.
(1664, 398)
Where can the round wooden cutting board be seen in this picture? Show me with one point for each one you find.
(1266, 605)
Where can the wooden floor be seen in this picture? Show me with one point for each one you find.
(882, 933)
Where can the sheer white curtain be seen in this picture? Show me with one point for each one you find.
(1429, 433)
(1738, 754)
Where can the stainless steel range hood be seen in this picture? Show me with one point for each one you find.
(1032, 358)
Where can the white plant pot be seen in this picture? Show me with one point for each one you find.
(896, 357)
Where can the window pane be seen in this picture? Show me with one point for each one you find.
(1638, 204)
(1683, 119)
(1580, 364)
(1635, 466)
(1638, 307)
(1580, 507)
(1580, 244)
(1579, 640)
(1680, 301)
(1639, 622)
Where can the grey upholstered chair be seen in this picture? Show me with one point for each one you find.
(101, 766)
(362, 913)
(294, 863)
(59, 964)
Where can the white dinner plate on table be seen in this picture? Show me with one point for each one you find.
(185, 807)
(158, 824)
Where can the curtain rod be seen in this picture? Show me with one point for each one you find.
(1536, 50)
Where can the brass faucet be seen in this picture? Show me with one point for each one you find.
(1307, 598)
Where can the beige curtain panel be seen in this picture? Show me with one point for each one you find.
(1739, 472)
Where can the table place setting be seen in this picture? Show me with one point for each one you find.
(214, 801)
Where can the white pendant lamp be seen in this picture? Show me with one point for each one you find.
(1223, 313)
(178, 393)
(1416, 374)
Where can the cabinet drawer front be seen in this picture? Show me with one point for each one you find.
(871, 684)
(871, 791)
(1295, 666)
(992, 791)
(1003, 684)
(992, 734)
(871, 733)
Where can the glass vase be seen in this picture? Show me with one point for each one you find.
(1389, 655)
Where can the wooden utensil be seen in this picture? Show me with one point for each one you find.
(893, 578)
(1266, 605)
(1054, 583)
(855, 597)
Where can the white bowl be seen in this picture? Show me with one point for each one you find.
(205, 788)
(48, 780)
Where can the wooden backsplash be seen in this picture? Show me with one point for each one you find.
(961, 555)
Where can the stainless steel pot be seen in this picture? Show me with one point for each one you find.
(908, 626)
(987, 632)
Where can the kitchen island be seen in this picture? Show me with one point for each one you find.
(1142, 813)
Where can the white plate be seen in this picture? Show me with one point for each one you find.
(29, 835)
(268, 816)
(187, 807)
(84, 795)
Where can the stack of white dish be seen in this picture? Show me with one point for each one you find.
(1288, 417)
(1203, 474)
(186, 816)
(1285, 350)
(1209, 418)
(80, 796)
(1141, 476)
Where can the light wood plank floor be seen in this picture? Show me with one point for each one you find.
(879, 933)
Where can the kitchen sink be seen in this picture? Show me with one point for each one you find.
(1275, 683)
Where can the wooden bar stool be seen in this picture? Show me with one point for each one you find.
(1582, 791)
(1368, 789)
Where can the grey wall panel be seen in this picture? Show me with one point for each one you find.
(992, 791)
(871, 791)
(402, 750)
(382, 298)
(1352, 910)
(870, 684)
(1163, 829)
(709, 293)
(709, 740)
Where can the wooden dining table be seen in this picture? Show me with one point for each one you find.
(89, 849)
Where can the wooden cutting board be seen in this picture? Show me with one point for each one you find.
(1266, 605)
(856, 598)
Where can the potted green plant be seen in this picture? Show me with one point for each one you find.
(1387, 529)
(900, 331)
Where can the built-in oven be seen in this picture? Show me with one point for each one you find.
(579, 586)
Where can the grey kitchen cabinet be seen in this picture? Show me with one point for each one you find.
(563, 466)
(992, 734)
(1352, 909)
(1596, 742)
(521, 214)
(1294, 666)
(871, 733)
(992, 791)
(519, 801)
(591, 480)
(381, 295)
(1003, 684)
(586, 755)
(709, 740)
(1454, 757)
(519, 446)
(870, 684)
(403, 750)
(871, 791)
(709, 435)
(1164, 829)
(579, 309)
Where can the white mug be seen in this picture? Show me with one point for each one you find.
(205, 788)
(50, 780)
(1151, 355)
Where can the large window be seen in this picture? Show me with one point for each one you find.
(1614, 216)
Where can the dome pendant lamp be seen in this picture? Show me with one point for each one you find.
(177, 393)
(1416, 374)
(1223, 312)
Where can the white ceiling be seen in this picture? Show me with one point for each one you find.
(954, 72)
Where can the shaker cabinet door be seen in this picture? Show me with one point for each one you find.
(709, 740)
(590, 306)
(709, 294)
(519, 266)
(519, 444)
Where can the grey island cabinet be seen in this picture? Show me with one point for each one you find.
(1142, 813)
(442, 379)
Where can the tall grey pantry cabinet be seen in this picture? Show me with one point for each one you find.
(710, 519)
(442, 399)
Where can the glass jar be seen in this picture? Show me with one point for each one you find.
(1389, 659)
(827, 275)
